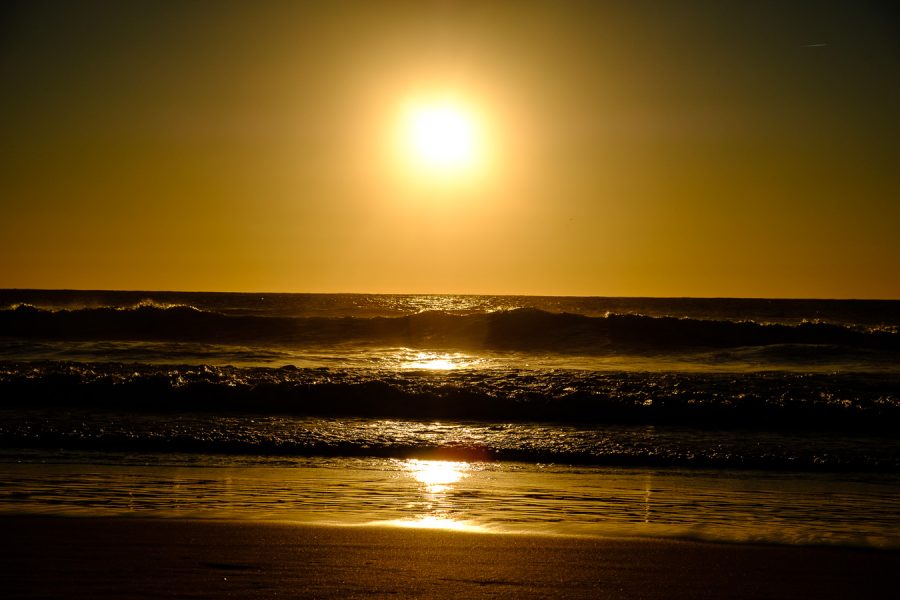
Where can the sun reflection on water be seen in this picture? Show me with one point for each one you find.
(436, 479)
(437, 361)
(436, 475)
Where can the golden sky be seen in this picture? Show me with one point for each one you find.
(621, 148)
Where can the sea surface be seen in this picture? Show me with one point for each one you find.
(736, 420)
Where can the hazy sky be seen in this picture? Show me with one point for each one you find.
(627, 148)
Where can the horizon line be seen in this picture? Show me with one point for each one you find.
(481, 294)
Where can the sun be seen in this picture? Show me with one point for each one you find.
(442, 137)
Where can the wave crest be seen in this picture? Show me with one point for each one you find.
(515, 329)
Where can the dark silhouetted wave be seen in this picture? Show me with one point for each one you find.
(525, 329)
(752, 400)
(754, 420)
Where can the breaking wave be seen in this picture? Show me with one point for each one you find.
(751, 421)
(755, 400)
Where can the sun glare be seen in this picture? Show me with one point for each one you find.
(442, 137)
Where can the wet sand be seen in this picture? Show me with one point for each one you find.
(45, 557)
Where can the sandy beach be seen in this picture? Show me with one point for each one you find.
(157, 558)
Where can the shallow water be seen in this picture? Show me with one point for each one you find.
(728, 506)
(242, 436)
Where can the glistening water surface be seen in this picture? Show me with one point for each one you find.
(730, 506)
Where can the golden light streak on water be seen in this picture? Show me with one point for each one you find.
(436, 478)
(437, 475)
(438, 361)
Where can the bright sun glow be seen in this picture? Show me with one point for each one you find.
(442, 137)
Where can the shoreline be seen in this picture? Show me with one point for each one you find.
(112, 557)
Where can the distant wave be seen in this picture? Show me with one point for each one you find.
(518, 329)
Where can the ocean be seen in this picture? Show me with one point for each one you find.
(731, 420)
